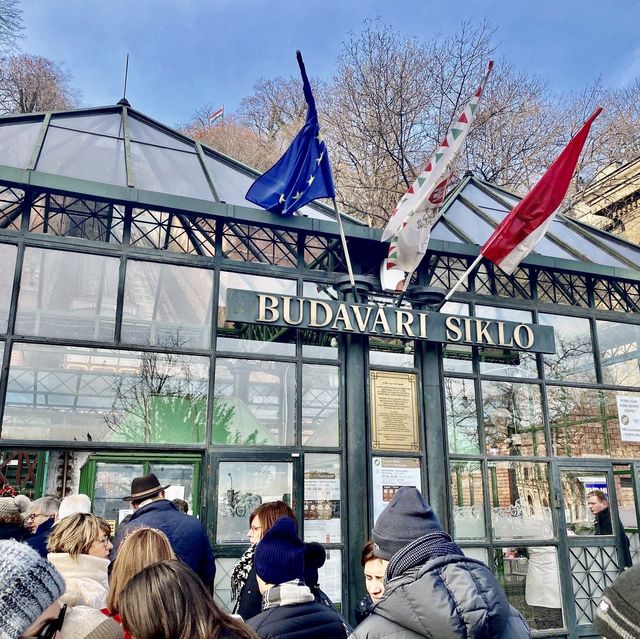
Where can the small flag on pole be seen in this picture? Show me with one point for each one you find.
(303, 173)
(216, 115)
(518, 233)
(410, 224)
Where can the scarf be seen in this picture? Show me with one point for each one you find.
(240, 573)
(287, 594)
(420, 551)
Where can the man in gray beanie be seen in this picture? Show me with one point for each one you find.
(29, 587)
(431, 588)
(618, 615)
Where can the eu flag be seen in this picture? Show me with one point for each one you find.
(303, 173)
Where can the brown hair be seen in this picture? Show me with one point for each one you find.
(168, 600)
(270, 512)
(142, 547)
(600, 494)
(367, 553)
(75, 534)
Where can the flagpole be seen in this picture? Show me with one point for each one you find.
(405, 286)
(345, 248)
(462, 279)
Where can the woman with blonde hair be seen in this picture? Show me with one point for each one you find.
(167, 600)
(142, 547)
(79, 548)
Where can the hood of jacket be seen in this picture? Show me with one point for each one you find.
(448, 597)
(85, 576)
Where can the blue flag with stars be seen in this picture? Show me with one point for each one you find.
(303, 173)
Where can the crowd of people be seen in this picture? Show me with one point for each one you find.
(62, 576)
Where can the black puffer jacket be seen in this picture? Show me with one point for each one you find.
(447, 597)
(299, 621)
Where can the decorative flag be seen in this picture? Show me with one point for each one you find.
(303, 173)
(410, 223)
(519, 232)
(216, 115)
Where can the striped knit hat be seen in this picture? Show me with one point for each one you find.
(29, 584)
(618, 615)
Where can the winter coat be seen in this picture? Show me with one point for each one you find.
(604, 526)
(448, 597)
(310, 620)
(187, 535)
(250, 599)
(13, 528)
(363, 608)
(38, 541)
(85, 577)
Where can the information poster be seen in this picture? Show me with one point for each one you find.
(321, 511)
(394, 414)
(629, 417)
(389, 474)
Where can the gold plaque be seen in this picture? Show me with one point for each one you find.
(394, 411)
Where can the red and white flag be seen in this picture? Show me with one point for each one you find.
(517, 235)
(410, 223)
(216, 115)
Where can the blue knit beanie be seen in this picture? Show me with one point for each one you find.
(406, 517)
(279, 555)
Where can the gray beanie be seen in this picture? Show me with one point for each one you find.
(618, 615)
(14, 505)
(29, 584)
(406, 518)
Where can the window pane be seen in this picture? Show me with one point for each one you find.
(513, 423)
(520, 500)
(462, 421)
(468, 500)
(573, 359)
(222, 582)
(113, 481)
(179, 478)
(622, 421)
(322, 507)
(168, 305)
(618, 344)
(456, 357)
(17, 141)
(8, 254)
(242, 487)
(330, 576)
(388, 474)
(250, 338)
(320, 402)
(319, 344)
(254, 403)
(576, 486)
(71, 393)
(576, 424)
(64, 294)
(391, 352)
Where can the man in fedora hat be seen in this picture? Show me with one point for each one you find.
(187, 535)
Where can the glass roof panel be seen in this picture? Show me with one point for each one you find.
(441, 232)
(101, 123)
(630, 252)
(467, 221)
(17, 142)
(169, 171)
(484, 202)
(84, 156)
(143, 132)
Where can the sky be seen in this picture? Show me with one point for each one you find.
(188, 53)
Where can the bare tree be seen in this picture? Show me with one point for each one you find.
(10, 25)
(31, 83)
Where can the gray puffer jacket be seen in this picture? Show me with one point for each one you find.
(446, 598)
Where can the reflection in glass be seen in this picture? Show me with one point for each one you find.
(319, 344)
(576, 422)
(19, 468)
(254, 403)
(513, 422)
(87, 394)
(573, 359)
(64, 294)
(321, 511)
(167, 305)
(112, 483)
(520, 500)
(576, 486)
(462, 423)
(530, 578)
(253, 338)
(467, 498)
(618, 344)
(320, 401)
(456, 357)
(396, 353)
(8, 253)
(179, 478)
(242, 488)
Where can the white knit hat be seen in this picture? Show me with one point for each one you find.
(73, 504)
(14, 505)
(83, 622)
(29, 584)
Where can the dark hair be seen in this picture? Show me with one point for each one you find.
(270, 512)
(181, 505)
(600, 494)
(168, 600)
(367, 553)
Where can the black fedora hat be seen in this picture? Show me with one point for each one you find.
(144, 487)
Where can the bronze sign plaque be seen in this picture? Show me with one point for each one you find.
(394, 411)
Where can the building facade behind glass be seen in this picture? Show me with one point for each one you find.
(119, 242)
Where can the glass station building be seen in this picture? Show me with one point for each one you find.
(119, 240)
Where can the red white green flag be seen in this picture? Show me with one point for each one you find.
(410, 224)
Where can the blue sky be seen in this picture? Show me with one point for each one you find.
(185, 53)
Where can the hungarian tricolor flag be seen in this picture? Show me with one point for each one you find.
(410, 223)
(517, 235)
